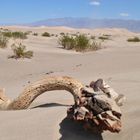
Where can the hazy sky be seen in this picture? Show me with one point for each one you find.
(24, 11)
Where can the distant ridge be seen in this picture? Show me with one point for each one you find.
(132, 25)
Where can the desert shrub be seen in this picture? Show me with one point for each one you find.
(19, 51)
(15, 35)
(46, 34)
(107, 35)
(52, 34)
(93, 37)
(68, 42)
(28, 32)
(134, 39)
(78, 43)
(35, 34)
(7, 34)
(62, 33)
(95, 45)
(20, 35)
(3, 41)
(104, 37)
(82, 42)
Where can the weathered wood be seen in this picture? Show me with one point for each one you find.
(49, 83)
(97, 112)
(96, 106)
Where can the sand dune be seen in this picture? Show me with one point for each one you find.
(118, 63)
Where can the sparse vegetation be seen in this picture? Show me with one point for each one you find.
(79, 43)
(104, 37)
(95, 45)
(35, 34)
(52, 34)
(19, 51)
(7, 34)
(134, 39)
(28, 32)
(3, 41)
(82, 42)
(62, 33)
(93, 37)
(68, 42)
(46, 34)
(15, 35)
(107, 35)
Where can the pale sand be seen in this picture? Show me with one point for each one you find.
(118, 64)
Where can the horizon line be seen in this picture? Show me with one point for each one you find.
(22, 23)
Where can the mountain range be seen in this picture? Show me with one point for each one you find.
(132, 25)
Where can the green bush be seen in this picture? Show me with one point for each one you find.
(135, 39)
(7, 34)
(62, 33)
(3, 41)
(68, 42)
(95, 45)
(15, 35)
(104, 37)
(79, 43)
(19, 51)
(35, 34)
(20, 35)
(82, 43)
(46, 34)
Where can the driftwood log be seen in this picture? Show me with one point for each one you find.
(96, 106)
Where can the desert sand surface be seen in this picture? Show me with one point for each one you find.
(118, 63)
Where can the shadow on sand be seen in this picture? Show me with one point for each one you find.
(49, 105)
(73, 131)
